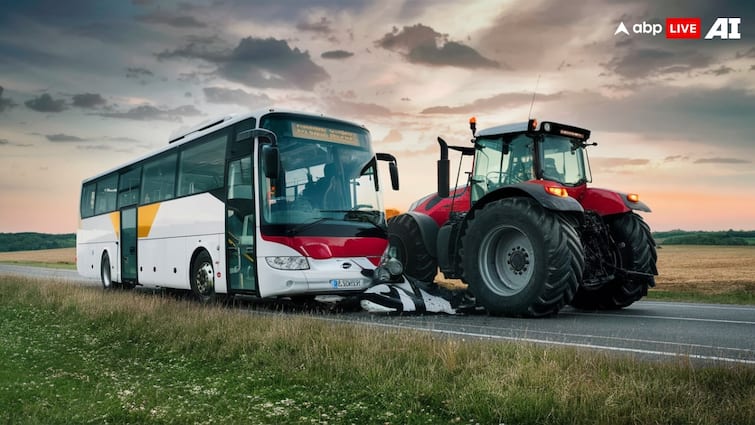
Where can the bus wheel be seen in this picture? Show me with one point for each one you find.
(203, 278)
(105, 276)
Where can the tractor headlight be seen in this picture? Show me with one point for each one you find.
(394, 266)
(288, 263)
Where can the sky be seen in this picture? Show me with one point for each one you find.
(86, 85)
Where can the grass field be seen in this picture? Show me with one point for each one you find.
(75, 354)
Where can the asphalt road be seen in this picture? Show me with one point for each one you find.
(714, 333)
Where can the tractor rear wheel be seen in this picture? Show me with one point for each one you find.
(520, 259)
(635, 274)
(404, 235)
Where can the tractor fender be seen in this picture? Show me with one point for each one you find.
(608, 202)
(534, 191)
(428, 228)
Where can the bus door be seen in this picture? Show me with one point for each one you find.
(128, 245)
(240, 225)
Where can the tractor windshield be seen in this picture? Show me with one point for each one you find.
(564, 160)
(501, 160)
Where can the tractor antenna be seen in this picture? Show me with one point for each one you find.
(529, 115)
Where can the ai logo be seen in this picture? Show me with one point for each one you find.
(725, 29)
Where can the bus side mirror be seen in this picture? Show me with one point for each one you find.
(392, 167)
(271, 161)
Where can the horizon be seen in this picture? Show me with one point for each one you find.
(86, 87)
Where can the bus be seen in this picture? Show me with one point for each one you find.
(273, 203)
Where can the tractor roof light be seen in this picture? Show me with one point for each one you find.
(633, 197)
(473, 125)
(532, 124)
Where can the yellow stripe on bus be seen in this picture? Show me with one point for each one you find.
(146, 217)
(115, 218)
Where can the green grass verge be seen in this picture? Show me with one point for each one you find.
(741, 297)
(80, 355)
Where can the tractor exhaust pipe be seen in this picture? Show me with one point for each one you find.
(444, 167)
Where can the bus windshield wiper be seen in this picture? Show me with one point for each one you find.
(304, 226)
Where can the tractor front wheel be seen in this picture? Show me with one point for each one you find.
(405, 236)
(520, 259)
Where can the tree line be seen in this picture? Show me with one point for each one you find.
(30, 241)
(726, 237)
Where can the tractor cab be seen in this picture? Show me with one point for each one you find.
(525, 152)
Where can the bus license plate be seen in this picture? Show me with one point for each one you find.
(346, 283)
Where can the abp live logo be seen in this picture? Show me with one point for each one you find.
(723, 28)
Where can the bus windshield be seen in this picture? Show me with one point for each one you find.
(327, 175)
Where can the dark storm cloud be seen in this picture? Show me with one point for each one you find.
(722, 161)
(631, 61)
(256, 62)
(336, 54)
(236, 97)
(5, 103)
(152, 113)
(423, 45)
(171, 19)
(45, 103)
(88, 100)
(137, 72)
(503, 100)
(60, 137)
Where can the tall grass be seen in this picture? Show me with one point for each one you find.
(79, 355)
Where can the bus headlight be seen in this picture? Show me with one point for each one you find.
(288, 263)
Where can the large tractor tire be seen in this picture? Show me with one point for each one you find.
(405, 236)
(636, 272)
(520, 259)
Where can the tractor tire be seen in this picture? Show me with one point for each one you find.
(636, 249)
(520, 259)
(405, 236)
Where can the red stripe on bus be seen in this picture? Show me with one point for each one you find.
(322, 247)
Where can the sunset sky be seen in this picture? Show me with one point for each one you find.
(88, 84)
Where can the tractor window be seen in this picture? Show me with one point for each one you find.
(564, 161)
(494, 169)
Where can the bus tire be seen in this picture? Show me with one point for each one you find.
(203, 278)
(520, 259)
(105, 275)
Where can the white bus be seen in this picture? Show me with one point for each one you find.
(267, 204)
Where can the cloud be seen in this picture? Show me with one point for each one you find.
(152, 113)
(235, 96)
(336, 54)
(4, 142)
(340, 107)
(635, 62)
(722, 161)
(323, 26)
(171, 19)
(45, 103)
(393, 136)
(423, 45)
(136, 72)
(256, 62)
(88, 100)
(503, 100)
(5, 103)
(60, 137)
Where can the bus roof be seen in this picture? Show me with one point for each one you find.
(178, 138)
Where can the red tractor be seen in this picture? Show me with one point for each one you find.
(526, 233)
